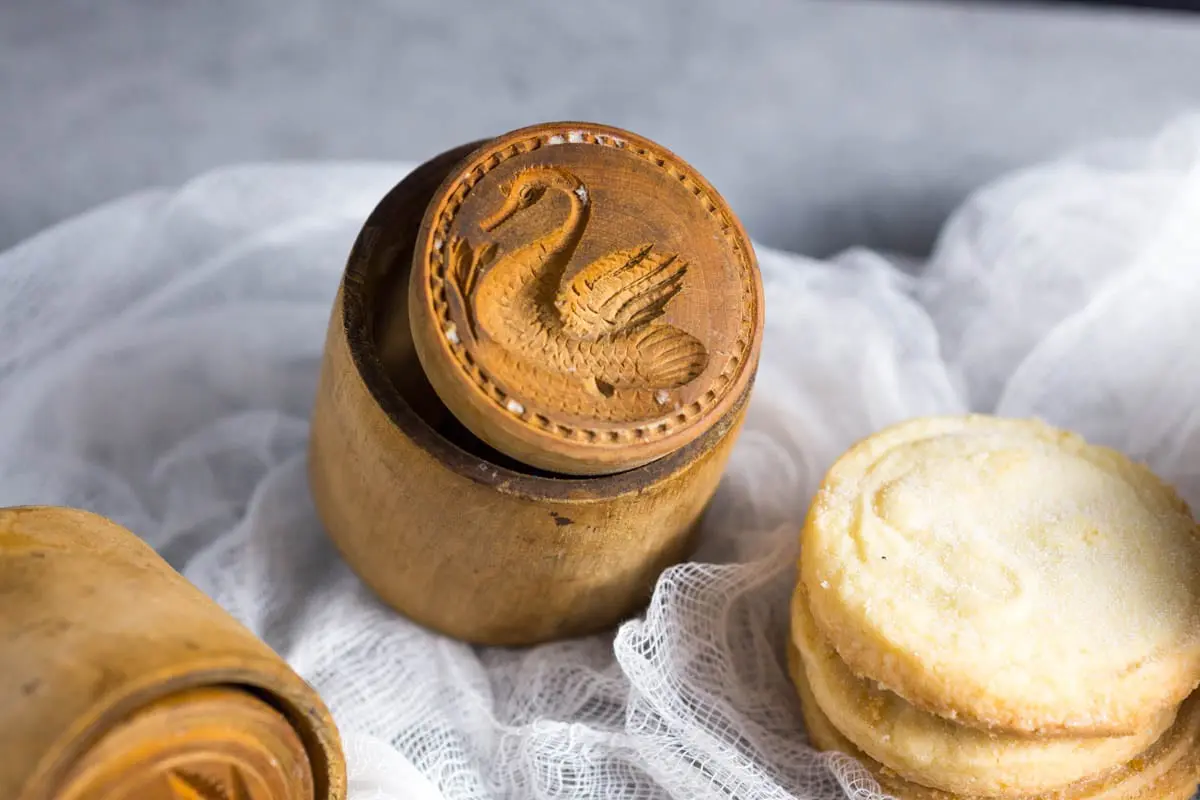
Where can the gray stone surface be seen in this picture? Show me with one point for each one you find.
(826, 124)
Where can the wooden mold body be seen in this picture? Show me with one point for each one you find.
(120, 680)
(440, 487)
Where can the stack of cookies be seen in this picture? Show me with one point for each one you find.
(996, 608)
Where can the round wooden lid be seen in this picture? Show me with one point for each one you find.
(205, 744)
(583, 300)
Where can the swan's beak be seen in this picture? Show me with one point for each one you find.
(510, 207)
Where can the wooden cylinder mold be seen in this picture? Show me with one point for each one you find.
(120, 680)
(537, 364)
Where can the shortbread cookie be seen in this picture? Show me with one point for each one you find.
(933, 751)
(1007, 575)
(1169, 770)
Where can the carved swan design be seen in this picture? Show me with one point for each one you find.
(571, 343)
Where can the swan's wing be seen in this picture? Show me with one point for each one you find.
(624, 289)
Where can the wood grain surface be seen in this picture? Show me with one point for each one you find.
(582, 299)
(215, 743)
(445, 527)
(104, 647)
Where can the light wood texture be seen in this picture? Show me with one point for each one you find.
(450, 531)
(104, 648)
(204, 744)
(582, 300)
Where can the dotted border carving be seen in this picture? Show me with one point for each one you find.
(436, 261)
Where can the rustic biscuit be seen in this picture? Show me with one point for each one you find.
(1007, 575)
(932, 751)
(1168, 770)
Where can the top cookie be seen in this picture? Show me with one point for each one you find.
(583, 300)
(1007, 575)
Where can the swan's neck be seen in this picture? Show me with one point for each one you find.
(563, 241)
(558, 246)
(524, 297)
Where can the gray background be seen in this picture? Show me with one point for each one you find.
(826, 124)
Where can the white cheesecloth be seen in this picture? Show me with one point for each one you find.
(159, 362)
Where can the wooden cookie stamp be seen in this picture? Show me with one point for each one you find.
(582, 299)
(122, 681)
(536, 367)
